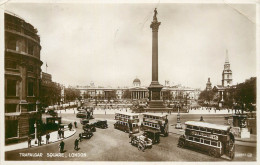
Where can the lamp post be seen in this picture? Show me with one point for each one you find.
(35, 125)
(178, 124)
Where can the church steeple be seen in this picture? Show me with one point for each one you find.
(227, 60)
(227, 73)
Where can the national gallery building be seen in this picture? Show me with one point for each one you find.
(138, 92)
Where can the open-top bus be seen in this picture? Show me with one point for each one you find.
(127, 122)
(155, 122)
(215, 139)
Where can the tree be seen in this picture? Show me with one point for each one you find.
(50, 93)
(206, 96)
(245, 93)
(71, 94)
(167, 95)
(127, 94)
(111, 95)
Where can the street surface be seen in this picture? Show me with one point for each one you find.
(113, 145)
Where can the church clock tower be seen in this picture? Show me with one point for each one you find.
(227, 73)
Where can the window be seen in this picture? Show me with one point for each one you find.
(30, 68)
(31, 107)
(207, 142)
(197, 139)
(30, 89)
(10, 64)
(214, 143)
(9, 108)
(209, 130)
(11, 127)
(11, 87)
(202, 140)
(217, 131)
(195, 127)
(202, 129)
(30, 48)
(189, 126)
(190, 138)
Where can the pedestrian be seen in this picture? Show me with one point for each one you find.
(39, 140)
(61, 146)
(47, 138)
(201, 118)
(62, 132)
(76, 144)
(75, 124)
(70, 126)
(80, 137)
(29, 142)
(59, 134)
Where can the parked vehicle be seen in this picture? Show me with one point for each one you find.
(90, 126)
(101, 124)
(87, 134)
(215, 139)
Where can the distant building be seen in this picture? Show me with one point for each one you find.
(139, 92)
(208, 85)
(22, 77)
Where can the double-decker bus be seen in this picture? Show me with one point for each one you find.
(127, 122)
(155, 123)
(215, 139)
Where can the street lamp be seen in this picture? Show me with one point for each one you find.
(178, 124)
(35, 125)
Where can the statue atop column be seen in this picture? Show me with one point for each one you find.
(154, 16)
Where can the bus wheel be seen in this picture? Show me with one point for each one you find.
(181, 144)
(214, 153)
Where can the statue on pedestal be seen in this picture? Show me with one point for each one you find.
(154, 16)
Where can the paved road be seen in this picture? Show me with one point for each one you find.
(111, 144)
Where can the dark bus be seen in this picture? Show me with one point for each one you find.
(215, 139)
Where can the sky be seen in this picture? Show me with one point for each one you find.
(111, 44)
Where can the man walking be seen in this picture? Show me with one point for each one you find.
(75, 124)
(47, 138)
(29, 141)
(61, 146)
(39, 140)
(80, 137)
(76, 144)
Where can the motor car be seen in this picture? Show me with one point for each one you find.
(101, 124)
(84, 121)
(87, 134)
(153, 135)
(81, 115)
(135, 139)
(90, 126)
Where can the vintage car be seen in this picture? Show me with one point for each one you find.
(90, 126)
(84, 121)
(87, 133)
(153, 135)
(101, 124)
(135, 139)
(81, 114)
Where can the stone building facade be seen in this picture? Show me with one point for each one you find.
(22, 77)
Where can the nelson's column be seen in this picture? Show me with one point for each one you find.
(155, 101)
